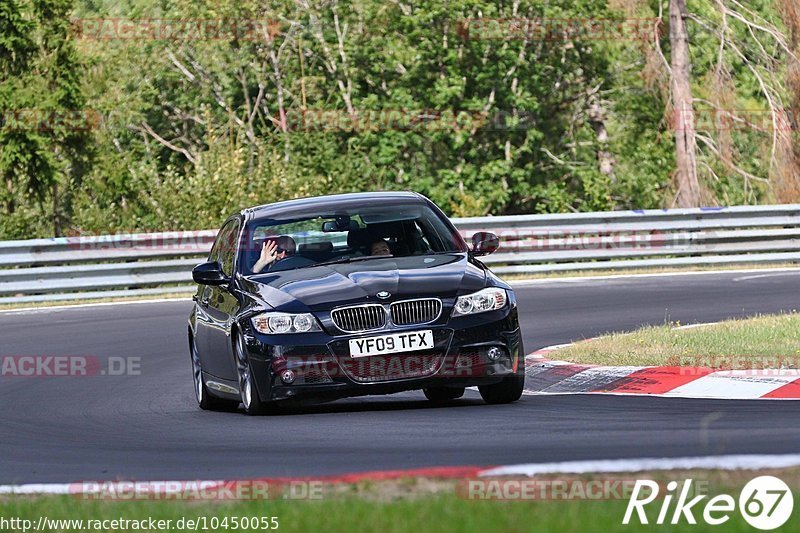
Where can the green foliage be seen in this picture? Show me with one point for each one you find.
(44, 150)
(194, 129)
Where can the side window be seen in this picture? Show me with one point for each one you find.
(224, 249)
(213, 255)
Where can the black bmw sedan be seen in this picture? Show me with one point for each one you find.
(346, 295)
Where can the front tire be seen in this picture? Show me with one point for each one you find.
(507, 391)
(251, 401)
(443, 394)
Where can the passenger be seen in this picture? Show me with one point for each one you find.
(274, 250)
(379, 247)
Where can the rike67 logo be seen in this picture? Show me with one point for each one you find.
(765, 503)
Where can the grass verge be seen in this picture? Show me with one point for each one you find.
(760, 342)
(415, 504)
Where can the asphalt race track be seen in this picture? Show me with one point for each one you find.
(148, 427)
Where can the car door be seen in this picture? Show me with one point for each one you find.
(216, 307)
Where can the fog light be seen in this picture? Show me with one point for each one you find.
(288, 376)
(494, 354)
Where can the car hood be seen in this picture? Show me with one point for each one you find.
(327, 286)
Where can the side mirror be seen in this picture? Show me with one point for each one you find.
(209, 274)
(484, 243)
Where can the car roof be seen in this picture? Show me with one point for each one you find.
(302, 206)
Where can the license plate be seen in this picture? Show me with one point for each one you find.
(393, 343)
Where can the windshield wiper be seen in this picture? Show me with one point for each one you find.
(344, 260)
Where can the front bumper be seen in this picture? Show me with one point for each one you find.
(322, 368)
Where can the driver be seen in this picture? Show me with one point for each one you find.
(274, 250)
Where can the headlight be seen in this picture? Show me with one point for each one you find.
(479, 302)
(277, 323)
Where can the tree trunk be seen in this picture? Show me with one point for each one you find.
(788, 189)
(10, 204)
(597, 119)
(688, 194)
(56, 216)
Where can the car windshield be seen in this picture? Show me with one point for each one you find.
(346, 235)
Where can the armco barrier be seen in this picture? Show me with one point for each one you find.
(156, 263)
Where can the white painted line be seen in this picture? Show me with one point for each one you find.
(84, 487)
(36, 488)
(733, 385)
(715, 462)
(746, 278)
(576, 279)
(541, 352)
(554, 347)
(700, 325)
(549, 364)
(47, 309)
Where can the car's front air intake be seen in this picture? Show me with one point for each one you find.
(416, 311)
(359, 318)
